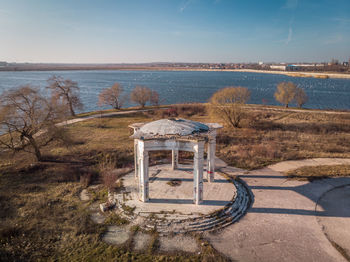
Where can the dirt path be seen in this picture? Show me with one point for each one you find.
(289, 220)
(80, 119)
(298, 110)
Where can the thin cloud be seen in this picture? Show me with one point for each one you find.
(290, 4)
(290, 35)
(185, 5)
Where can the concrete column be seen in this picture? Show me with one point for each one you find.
(174, 159)
(198, 172)
(143, 159)
(136, 162)
(211, 156)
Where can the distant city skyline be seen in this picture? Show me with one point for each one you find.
(198, 31)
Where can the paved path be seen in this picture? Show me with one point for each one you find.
(80, 119)
(289, 218)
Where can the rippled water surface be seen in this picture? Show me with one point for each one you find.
(188, 86)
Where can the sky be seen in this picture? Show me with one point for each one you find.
(138, 31)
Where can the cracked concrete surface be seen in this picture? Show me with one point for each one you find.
(282, 223)
(335, 218)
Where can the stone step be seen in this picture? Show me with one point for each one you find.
(179, 223)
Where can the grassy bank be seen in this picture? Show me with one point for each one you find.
(42, 218)
(272, 136)
(318, 172)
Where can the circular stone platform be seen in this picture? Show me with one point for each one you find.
(171, 207)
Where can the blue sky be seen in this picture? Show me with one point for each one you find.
(113, 31)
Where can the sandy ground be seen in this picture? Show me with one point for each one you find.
(288, 73)
(307, 74)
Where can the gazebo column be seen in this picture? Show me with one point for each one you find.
(174, 159)
(198, 172)
(136, 162)
(143, 160)
(211, 156)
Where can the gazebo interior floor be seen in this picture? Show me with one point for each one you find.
(171, 191)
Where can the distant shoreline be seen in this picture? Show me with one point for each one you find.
(322, 75)
(298, 74)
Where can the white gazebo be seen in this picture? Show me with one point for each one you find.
(174, 135)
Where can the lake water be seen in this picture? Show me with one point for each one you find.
(188, 86)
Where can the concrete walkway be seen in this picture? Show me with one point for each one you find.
(289, 220)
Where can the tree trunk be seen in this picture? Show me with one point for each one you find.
(36, 148)
(286, 105)
(71, 108)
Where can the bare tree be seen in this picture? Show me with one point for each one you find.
(141, 95)
(285, 93)
(112, 96)
(154, 98)
(27, 121)
(300, 97)
(67, 91)
(227, 104)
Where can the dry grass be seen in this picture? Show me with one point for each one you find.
(318, 172)
(271, 136)
(42, 218)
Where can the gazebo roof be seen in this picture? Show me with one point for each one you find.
(170, 128)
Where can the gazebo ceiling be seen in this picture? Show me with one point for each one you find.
(170, 127)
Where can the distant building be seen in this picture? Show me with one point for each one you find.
(261, 63)
(2, 63)
(345, 63)
(278, 67)
(292, 68)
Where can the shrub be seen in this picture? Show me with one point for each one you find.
(154, 98)
(285, 93)
(112, 96)
(141, 95)
(107, 166)
(227, 104)
(170, 112)
(300, 97)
